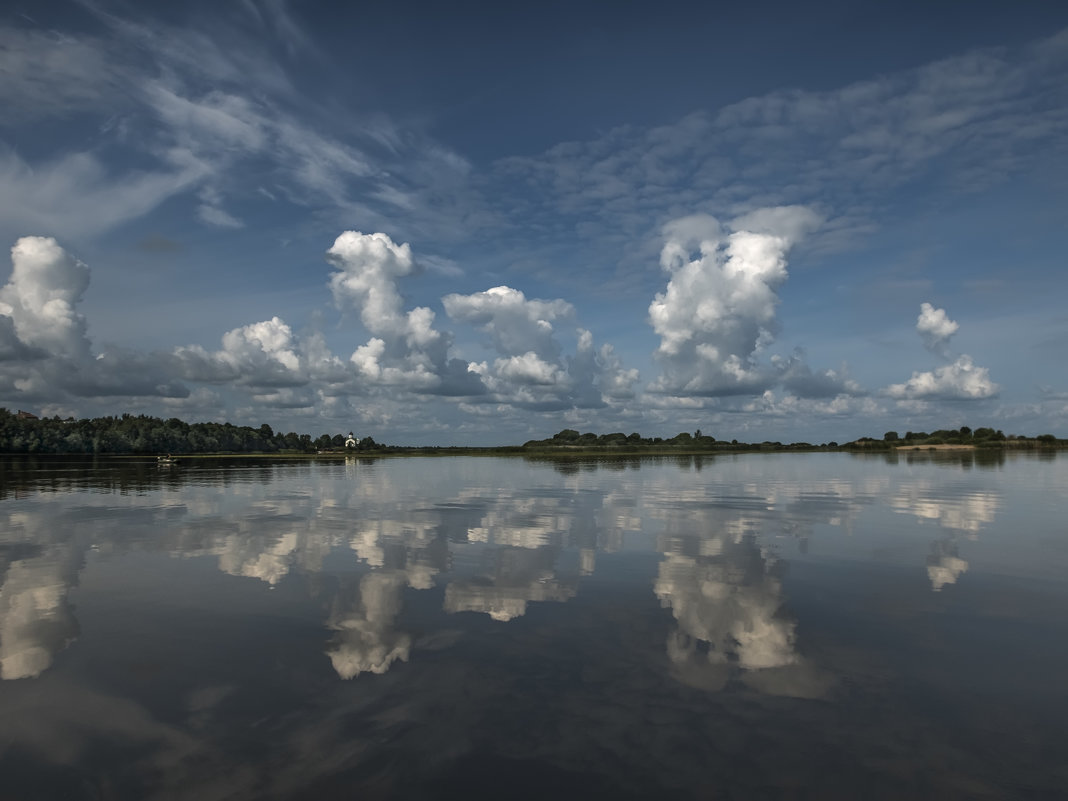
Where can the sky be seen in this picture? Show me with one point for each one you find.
(479, 224)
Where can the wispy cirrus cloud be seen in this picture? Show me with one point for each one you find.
(45, 74)
(209, 108)
(966, 122)
(81, 195)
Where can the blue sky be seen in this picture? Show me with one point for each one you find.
(481, 224)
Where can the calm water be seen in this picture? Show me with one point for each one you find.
(762, 626)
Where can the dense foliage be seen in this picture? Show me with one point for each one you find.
(152, 435)
(697, 442)
(570, 440)
(957, 436)
(979, 438)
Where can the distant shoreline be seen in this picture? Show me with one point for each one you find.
(935, 447)
(541, 454)
(144, 436)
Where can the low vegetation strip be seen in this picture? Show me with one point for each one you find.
(935, 447)
(23, 432)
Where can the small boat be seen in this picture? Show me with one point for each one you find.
(166, 461)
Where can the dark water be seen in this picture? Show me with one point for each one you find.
(763, 626)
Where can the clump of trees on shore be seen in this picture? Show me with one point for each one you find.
(697, 442)
(570, 440)
(979, 438)
(153, 435)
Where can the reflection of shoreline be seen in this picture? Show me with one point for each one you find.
(25, 475)
(934, 448)
(964, 457)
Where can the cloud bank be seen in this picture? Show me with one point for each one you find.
(716, 321)
(46, 353)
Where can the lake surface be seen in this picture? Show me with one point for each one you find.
(759, 626)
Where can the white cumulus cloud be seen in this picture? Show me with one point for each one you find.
(528, 369)
(598, 374)
(719, 308)
(960, 380)
(262, 354)
(935, 328)
(405, 349)
(45, 350)
(532, 370)
(516, 325)
(40, 298)
(273, 338)
(367, 268)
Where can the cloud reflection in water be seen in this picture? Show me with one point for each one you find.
(512, 546)
(962, 516)
(644, 617)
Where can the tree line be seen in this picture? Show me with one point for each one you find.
(979, 438)
(571, 440)
(142, 434)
